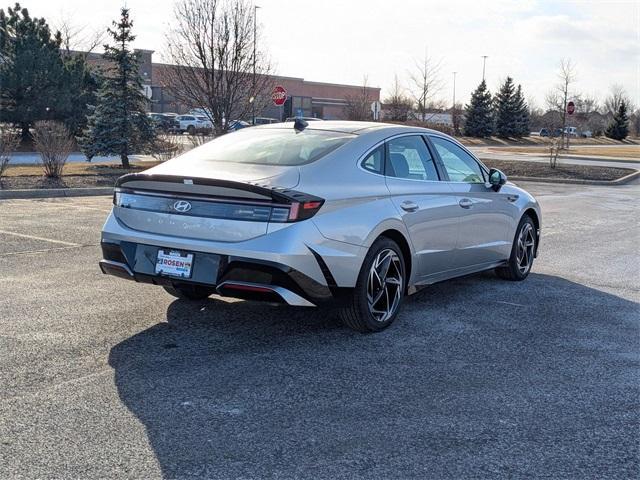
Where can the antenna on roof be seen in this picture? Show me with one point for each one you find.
(300, 124)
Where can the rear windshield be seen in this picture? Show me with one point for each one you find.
(270, 146)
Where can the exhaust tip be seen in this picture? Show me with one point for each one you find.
(255, 291)
(117, 269)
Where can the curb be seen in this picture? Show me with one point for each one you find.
(55, 192)
(619, 181)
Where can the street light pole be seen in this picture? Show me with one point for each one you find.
(253, 90)
(454, 89)
(453, 108)
(484, 63)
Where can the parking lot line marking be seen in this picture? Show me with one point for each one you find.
(510, 303)
(33, 237)
(47, 250)
(76, 205)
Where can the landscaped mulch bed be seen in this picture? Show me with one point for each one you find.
(106, 175)
(563, 171)
(68, 181)
(24, 177)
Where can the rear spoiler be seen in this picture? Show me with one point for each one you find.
(300, 205)
(212, 188)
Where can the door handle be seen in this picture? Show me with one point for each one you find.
(408, 206)
(465, 203)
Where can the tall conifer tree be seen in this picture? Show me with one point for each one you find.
(119, 125)
(478, 114)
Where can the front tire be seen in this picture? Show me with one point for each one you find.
(522, 252)
(190, 292)
(379, 290)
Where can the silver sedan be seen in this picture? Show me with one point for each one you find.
(352, 214)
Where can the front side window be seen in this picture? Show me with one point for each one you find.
(460, 166)
(408, 157)
(282, 146)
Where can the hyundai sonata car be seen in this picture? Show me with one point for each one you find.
(354, 215)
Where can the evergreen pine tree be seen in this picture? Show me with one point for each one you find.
(522, 114)
(618, 129)
(506, 113)
(119, 124)
(31, 70)
(478, 114)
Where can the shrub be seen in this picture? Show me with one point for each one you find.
(54, 144)
(9, 138)
(167, 147)
(197, 140)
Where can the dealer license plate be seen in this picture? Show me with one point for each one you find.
(174, 263)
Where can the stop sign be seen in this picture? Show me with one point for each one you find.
(279, 95)
(571, 107)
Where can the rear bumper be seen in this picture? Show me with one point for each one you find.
(228, 275)
(297, 246)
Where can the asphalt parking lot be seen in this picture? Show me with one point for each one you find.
(479, 378)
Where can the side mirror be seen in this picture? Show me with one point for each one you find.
(497, 179)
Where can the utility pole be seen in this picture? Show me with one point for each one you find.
(484, 63)
(253, 89)
(454, 89)
(454, 118)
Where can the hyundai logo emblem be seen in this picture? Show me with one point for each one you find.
(182, 206)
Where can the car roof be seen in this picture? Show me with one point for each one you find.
(353, 127)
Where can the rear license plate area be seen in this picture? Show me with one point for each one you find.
(174, 263)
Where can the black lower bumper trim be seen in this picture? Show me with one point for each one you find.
(118, 259)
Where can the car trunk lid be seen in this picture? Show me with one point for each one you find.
(232, 207)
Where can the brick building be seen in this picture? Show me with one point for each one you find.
(304, 98)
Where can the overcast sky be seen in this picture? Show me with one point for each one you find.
(340, 41)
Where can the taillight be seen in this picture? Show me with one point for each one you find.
(304, 210)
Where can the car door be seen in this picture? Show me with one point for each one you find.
(485, 215)
(428, 206)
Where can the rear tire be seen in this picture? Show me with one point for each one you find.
(522, 252)
(190, 292)
(379, 290)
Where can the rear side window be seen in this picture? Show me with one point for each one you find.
(280, 146)
(409, 158)
(374, 162)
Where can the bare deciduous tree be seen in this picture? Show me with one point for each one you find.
(397, 104)
(9, 139)
(617, 95)
(426, 84)
(359, 105)
(557, 99)
(54, 144)
(78, 38)
(211, 46)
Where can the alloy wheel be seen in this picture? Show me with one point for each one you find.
(525, 249)
(385, 285)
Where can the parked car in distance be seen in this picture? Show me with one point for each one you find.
(542, 133)
(206, 121)
(265, 120)
(571, 131)
(237, 125)
(352, 214)
(586, 134)
(307, 119)
(192, 124)
(164, 122)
